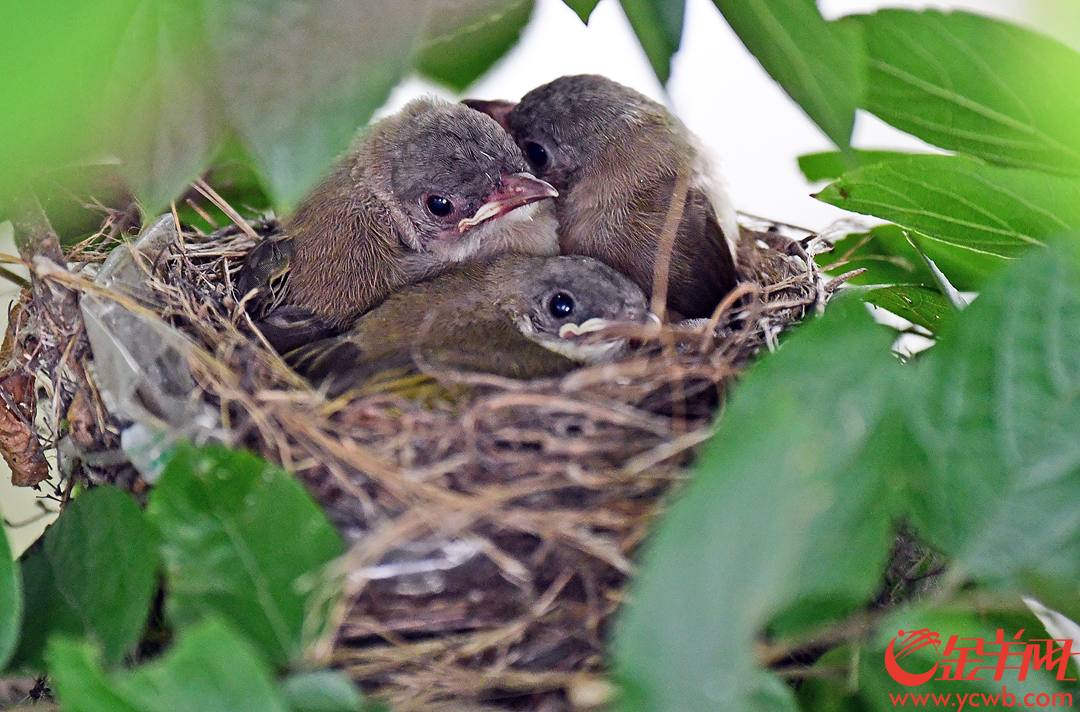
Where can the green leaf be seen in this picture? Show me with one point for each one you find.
(172, 121)
(210, 668)
(658, 25)
(321, 691)
(962, 201)
(976, 85)
(104, 561)
(244, 540)
(774, 515)
(93, 576)
(10, 601)
(299, 79)
(583, 8)
(55, 110)
(997, 409)
(79, 681)
(966, 269)
(884, 252)
(821, 65)
(465, 39)
(830, 165)
(919, 305)
(235, 179)
(45, 611)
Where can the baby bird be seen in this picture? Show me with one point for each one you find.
(515, 316)
(614, 156)
(432, 185)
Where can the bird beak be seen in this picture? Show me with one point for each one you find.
(589, 326)
(498, 110)
(514, 191)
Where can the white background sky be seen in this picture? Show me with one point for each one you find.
(716, 87)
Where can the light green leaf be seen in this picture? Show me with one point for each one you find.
(583, 8)
(919, 305)
(55, 108)
(830, 165)
(976, 85)
(821, 65)
(93, 576)
(962, 201)
(11, 603)
(658, 25)
(321, 691)
(172, 120)
(464, 39)
(210, 669)
(299, 79)
(997, 409)
(242, 539)
(775, 514)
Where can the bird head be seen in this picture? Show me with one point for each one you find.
(568, 125)
(561, 302)
(454, 170)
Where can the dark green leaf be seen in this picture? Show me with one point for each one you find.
(830, 165)
(583, 8)
(463, 40)
(658, 25)
(299, 79)
(93, 576)
(919, 305)
(172, 121)
(235, 179)
(821, 65)
(997, 409)
(962, 201)
(10, 602)
(321, 691)
(884, 252)
(775, 514)
(210, 669)
(45, 613)
(241, 538)
(977, 85)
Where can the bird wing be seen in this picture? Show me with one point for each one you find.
(266, 269)
(702, 268)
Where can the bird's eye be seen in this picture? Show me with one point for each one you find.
(536, 154)
(439, 206)
(561, 305)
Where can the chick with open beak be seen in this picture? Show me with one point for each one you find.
(513, 316)
(433, 185)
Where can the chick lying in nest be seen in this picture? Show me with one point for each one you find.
(516, 316)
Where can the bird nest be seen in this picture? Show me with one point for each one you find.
(500, 518)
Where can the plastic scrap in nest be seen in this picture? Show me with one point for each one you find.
(491, 533)
(140, 364)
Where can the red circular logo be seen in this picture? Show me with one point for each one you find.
(912, 641)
